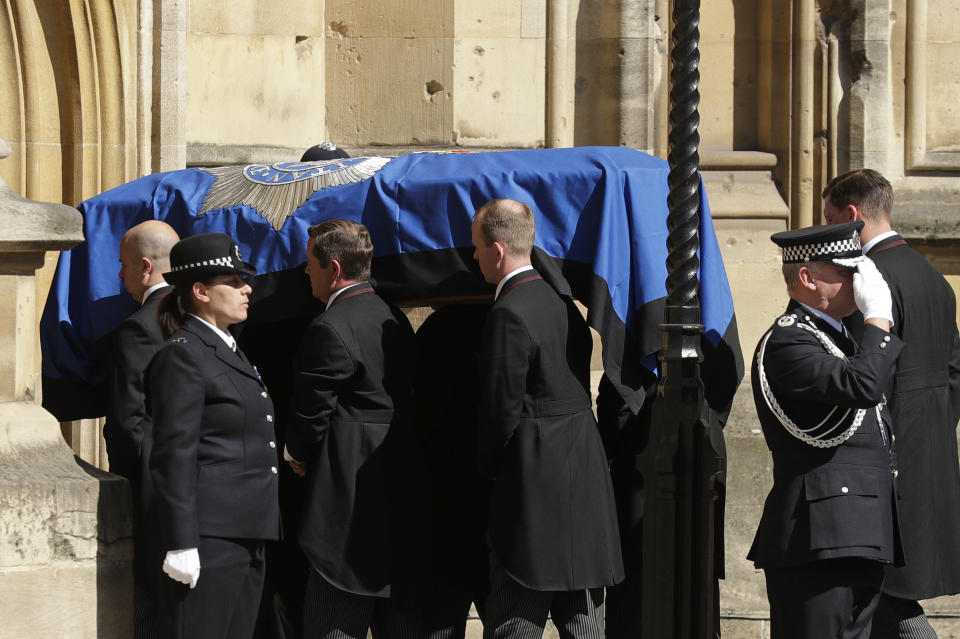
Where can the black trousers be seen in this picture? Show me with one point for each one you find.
(144, 614)
(225, 602)
(331, 613)
(514, 611)
(826, 598)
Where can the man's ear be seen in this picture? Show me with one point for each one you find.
(146, 267)
(854, 213)
(501, 251)
(336, 270)
(807, 278)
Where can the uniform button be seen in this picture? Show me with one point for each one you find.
(886, 338)
(806, 318)
(895, 473)
(273, 469)
(263, 394)
(273, 444)
(883, 344)
(844, 490)
(269, 418)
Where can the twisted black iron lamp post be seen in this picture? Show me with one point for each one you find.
(679, 466)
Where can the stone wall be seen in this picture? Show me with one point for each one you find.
(793, 92)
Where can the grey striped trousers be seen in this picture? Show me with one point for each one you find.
(514, 611)
(900, 619)
(331, 613)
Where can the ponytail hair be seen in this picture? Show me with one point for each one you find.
(174, 308)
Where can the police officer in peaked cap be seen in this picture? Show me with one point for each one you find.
(829, 522)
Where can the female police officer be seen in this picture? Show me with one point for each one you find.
(214, 462)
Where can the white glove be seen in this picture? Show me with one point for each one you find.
(871, 292)
(183, 566)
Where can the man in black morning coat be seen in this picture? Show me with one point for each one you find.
(350, 437)
(924, 400)
(144, 257)
(829, 523)
(552, 525)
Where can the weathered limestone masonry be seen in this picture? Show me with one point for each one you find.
(793, 92)
(65, 547)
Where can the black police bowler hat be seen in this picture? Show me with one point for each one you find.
(838, 244)
(205, 255)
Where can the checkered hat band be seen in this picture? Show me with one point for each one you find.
(849, 247)
(220, 261)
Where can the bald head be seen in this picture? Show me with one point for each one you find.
(145, 255)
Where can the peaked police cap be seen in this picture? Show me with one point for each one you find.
(838, 244)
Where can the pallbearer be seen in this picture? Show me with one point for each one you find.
(351, 439)
(552, 529)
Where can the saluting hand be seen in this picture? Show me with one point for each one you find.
(871, 292)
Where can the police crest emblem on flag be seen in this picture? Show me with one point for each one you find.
(276, 190)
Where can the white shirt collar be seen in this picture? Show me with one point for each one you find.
(506, 277)
(226, 337)
(147, 293)
(337, 292)
(826, 318)
(869, 245)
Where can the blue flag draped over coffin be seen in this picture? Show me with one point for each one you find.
(601, 236)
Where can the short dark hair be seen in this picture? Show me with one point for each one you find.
(864, 188)
(347, 242)
(509, 222)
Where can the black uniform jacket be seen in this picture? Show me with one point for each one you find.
(214, 460)
(128, 430)
(924, 400)
(553, 521)
(825, 502)
(351, 394)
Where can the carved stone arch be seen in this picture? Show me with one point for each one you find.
(70, 112)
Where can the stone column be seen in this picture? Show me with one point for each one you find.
(169, 90)
(65, 546)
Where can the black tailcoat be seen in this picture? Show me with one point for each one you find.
(825, 502)
(552, 522)
(128, 429)
(214, 461)
(924, 400)
(350, 427)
